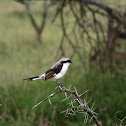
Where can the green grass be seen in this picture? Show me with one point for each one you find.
(21, 56)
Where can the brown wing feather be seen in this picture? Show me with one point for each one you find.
(49, 74)
(53, 71)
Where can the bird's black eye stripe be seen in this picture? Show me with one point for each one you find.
(67, 61)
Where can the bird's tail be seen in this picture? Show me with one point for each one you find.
(36, 78)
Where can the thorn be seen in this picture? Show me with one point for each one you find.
(119, 119)
(84, 93)
(76, 91)
(60, 88)
(56, 87)
(81, 102)
(71, 103)
(50, 102)
(86, 117)
(73, 111)
(70, 113)
(81, 94)
(80, 111)
(66, 98)
(63, 111)
(91, 119)
(66, 94)
(92, 106)
(89, 101)
(94, 113)
(69, 86)
(86, 103)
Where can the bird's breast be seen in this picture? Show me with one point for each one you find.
(64, 69)
(62, 72)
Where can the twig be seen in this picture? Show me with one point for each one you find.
(122, 121)
(52, 95)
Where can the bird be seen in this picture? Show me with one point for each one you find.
(56, 72)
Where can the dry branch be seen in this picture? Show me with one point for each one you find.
(38, 29)
(73, 109)
(121, 122)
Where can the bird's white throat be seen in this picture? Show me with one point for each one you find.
(62, 72)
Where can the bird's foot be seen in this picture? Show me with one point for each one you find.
(59, 84)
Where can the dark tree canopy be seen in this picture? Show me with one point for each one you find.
(95, 25)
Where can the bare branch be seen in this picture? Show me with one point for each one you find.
(52, 95)
(44, 15)
(122, 121)
(109, 10)
(27, 4)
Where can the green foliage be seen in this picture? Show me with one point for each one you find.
(107, 91)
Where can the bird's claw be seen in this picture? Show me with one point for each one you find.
(59, 84)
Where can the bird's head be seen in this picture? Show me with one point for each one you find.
(65, 61)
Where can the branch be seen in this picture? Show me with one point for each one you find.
(67, 36)
(44, 16)
(30, 16)
(52, 95)
(81, 105)
(109, 10)
(122, 121)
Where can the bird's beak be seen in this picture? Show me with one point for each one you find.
(70, 61)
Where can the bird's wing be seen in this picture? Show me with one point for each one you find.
(53, 71)
(49, 74)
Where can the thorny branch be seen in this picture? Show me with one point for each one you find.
(121, 122)
(81, 108)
